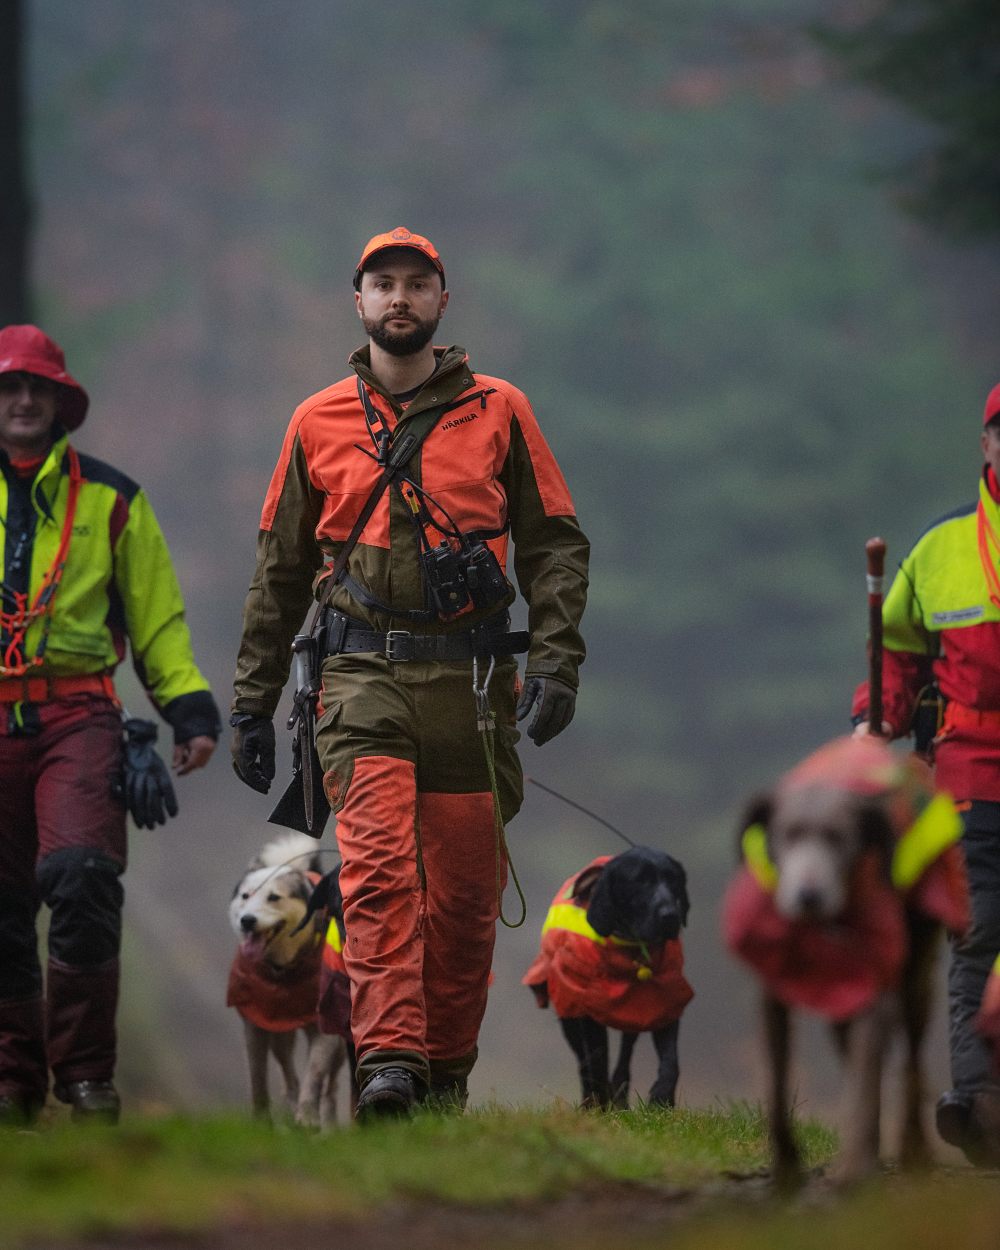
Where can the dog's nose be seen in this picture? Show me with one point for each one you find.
(810, 902)
(248, 923)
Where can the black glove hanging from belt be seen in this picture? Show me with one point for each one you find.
(146, 786)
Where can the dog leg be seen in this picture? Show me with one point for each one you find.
(861, 1094)
(785, 1153)
(589, 1042)
(621, 1078)
(328, 1101)
(257, 1051)
(317, 1100)
(917, 992)
(665, 1086)
(283, 1049)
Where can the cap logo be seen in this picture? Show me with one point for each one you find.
(400, 235)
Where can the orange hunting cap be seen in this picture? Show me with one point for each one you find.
(400, 237)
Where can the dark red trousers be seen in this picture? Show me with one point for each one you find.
(62, 843)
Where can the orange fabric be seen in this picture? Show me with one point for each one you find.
(612, 984)
(276, 999)
(334, 1010)
(835, 970)
(459, 849)
(45, 689)
(418, 963)
(958, 716)
(382, 906)
(330, 423)
(400, 237)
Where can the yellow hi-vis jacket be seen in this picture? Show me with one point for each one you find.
(117, 584)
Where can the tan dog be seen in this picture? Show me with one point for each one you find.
(851, 869)
(274, 980)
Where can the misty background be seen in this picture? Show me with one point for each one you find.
(661, 220)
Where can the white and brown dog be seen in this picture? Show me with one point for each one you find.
(851, 867)
(274, 980)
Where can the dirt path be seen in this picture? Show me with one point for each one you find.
(612, 1215)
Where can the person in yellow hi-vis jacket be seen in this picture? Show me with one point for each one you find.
(85, 570)
(941, 682)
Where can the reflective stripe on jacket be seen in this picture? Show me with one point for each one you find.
(118, 584)
(485, 462)
(617, 983)
(940, 620)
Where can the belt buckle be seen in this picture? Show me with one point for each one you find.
(398, 638)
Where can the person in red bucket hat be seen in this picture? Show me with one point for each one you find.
(941, 683)
(86, 572)
(396, 493)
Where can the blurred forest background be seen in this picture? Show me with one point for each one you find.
(664, 220)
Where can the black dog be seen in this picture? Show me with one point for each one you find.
(611, 958)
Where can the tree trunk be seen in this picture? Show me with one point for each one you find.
(15, 210)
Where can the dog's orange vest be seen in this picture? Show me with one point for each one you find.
(620, 984)
(838, 969)
(334, 1012)
(276, 999)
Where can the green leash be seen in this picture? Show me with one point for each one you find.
(486, 725)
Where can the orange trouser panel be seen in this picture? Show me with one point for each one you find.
(459, 850)
(419, 965)
(383, 903)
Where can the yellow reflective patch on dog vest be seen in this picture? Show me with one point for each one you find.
(936, 828)
(573, 919)
(757, 859)
(333, 936)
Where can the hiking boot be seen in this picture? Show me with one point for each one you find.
(96, 1101)
(389, 1094)
(17, 1111)
(448, 1095)
(959, 1125)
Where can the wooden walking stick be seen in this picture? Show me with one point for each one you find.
(875, 551)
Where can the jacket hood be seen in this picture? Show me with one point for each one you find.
(26, 349)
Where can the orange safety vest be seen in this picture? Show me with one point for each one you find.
(276, 999)
(838, 969)
(618, 983)
(334, 1012)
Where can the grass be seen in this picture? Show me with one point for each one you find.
(198, 1175)
(189, 1174)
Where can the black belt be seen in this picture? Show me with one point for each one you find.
(345, 636)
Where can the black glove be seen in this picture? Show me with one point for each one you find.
(554, 703)
(253, 750)
(147, 789)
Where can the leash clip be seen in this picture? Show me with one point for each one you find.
(485, 720)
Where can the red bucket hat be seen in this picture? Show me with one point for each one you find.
(26, 349)
(400, 237)
(992, 408)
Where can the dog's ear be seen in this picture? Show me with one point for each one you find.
(678, 883)
(876, 830)
(602, 909)
(758, 811)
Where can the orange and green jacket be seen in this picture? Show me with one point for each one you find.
(485, 461)
(941, 620)
(118, 585)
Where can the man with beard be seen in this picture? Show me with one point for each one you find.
(421, 772)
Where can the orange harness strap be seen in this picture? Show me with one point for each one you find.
(987, 537)
(17, 623)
